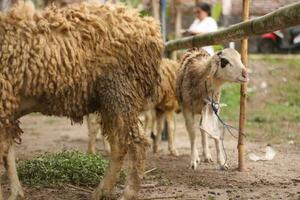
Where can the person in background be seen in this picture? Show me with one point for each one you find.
(203, 23)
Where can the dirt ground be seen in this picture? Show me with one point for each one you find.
(276, 179)
(172, 177)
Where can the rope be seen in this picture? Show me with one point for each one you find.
(216, 107)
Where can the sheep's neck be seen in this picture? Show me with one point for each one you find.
(213, 83)
(214, 87)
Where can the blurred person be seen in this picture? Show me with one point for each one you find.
(203, 23)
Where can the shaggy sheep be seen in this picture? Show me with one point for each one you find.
(200, 77)
(74, 61)
(163, 107)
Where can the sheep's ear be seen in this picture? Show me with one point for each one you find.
(215, 63)
(224, 62)
(219, 53)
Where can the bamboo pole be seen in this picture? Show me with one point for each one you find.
(244, 55)
(282, 18)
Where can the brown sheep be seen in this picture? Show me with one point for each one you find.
(93, 122)
(199, 78)
(164, 107)
(74, 61)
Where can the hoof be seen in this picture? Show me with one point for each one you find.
(92, 152)
(194, 166)
(155, 149)
(174, 152)
(194, 163)
(16, 193)
(224, 167)
(208, 160)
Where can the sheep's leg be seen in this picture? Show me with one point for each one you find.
(2, 171)
(106, 144)
(93, 129)
(171, 131)
(92, 143)
(147, 120)
(190, 126)
(118, 152)
(15, 185)
(137, 156)
(152, 121)
(220, 154)
(205, 145)
(159, 129)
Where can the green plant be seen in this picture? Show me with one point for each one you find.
(65, 167)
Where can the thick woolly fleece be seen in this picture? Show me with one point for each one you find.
(166, 92)
(166, 97)
(76, 60)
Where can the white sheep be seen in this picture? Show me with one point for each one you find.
(199, 78)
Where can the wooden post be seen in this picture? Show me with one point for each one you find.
(178, 22)
(155, 9)
(244, 54)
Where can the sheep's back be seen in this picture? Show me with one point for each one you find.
(76, 56)
(190, 87)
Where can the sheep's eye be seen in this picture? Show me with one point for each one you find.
(224, 62)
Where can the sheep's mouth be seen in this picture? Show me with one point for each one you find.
(242, 80)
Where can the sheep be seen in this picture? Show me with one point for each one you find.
(163, 107)
(199, 78)
(74, 61)
(93, 123)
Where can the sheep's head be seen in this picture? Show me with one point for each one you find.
(229, 67)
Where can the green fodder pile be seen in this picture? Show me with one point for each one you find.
(71, 167)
